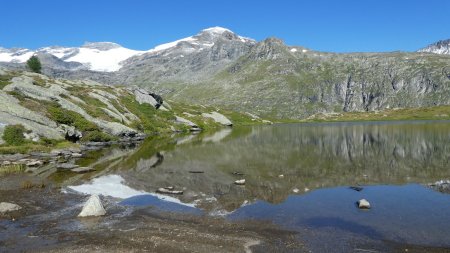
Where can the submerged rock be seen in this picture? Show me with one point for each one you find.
(8, 207)
(356, 188)
(363, 204)
(93, 207)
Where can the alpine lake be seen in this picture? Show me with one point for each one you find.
(306, 178)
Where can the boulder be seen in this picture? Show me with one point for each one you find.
(144, 97)
(219, 118)
(186, 122)
(70, 133)
(93, 207)
(8, 207)
(363, 204)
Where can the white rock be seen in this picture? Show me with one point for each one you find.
(8, 207)
(306, 189)
(240, 182)
(219, 118)
(281, 176)
(363, 204)
(295, 190)
(34, 163)
(93, 207)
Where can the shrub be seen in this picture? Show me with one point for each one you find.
(97, 136)
(13, 135)
(71, 118)
(34, 64)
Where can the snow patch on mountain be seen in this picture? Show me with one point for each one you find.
(15, 55)
(103, 60)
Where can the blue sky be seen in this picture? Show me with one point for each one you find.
(340, 26)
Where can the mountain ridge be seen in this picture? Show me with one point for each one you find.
(270, 79)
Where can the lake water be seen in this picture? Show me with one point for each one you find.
(297, 176)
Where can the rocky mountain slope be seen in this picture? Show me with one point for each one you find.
(60, 109)
(268, 78)
(440, 47)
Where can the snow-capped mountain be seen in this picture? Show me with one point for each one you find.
(100, 56)
(110, 57)
(15, 55)
(440, 47)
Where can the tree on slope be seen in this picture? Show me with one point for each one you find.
(34, 64)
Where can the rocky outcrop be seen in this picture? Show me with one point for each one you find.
(55, 91)
(12, 113)
(219, 118)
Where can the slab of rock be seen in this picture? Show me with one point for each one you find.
(66, 166)
(8, 207)
(82, 170)
(363, 204)
(93, 207)
(219, 118)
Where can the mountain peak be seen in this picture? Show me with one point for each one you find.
(217, 30)
(440, 47)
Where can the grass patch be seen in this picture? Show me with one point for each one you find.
(151, 119)
(426, 113)
(11, 169)
(71, 118)
(97, 136)
(5, 80)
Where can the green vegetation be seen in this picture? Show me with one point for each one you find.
(97, 136)
(151, 119)
(426, 113)
(13, 134)
(11, 169)
(71, 118)
(34, 64)
(5, 80)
